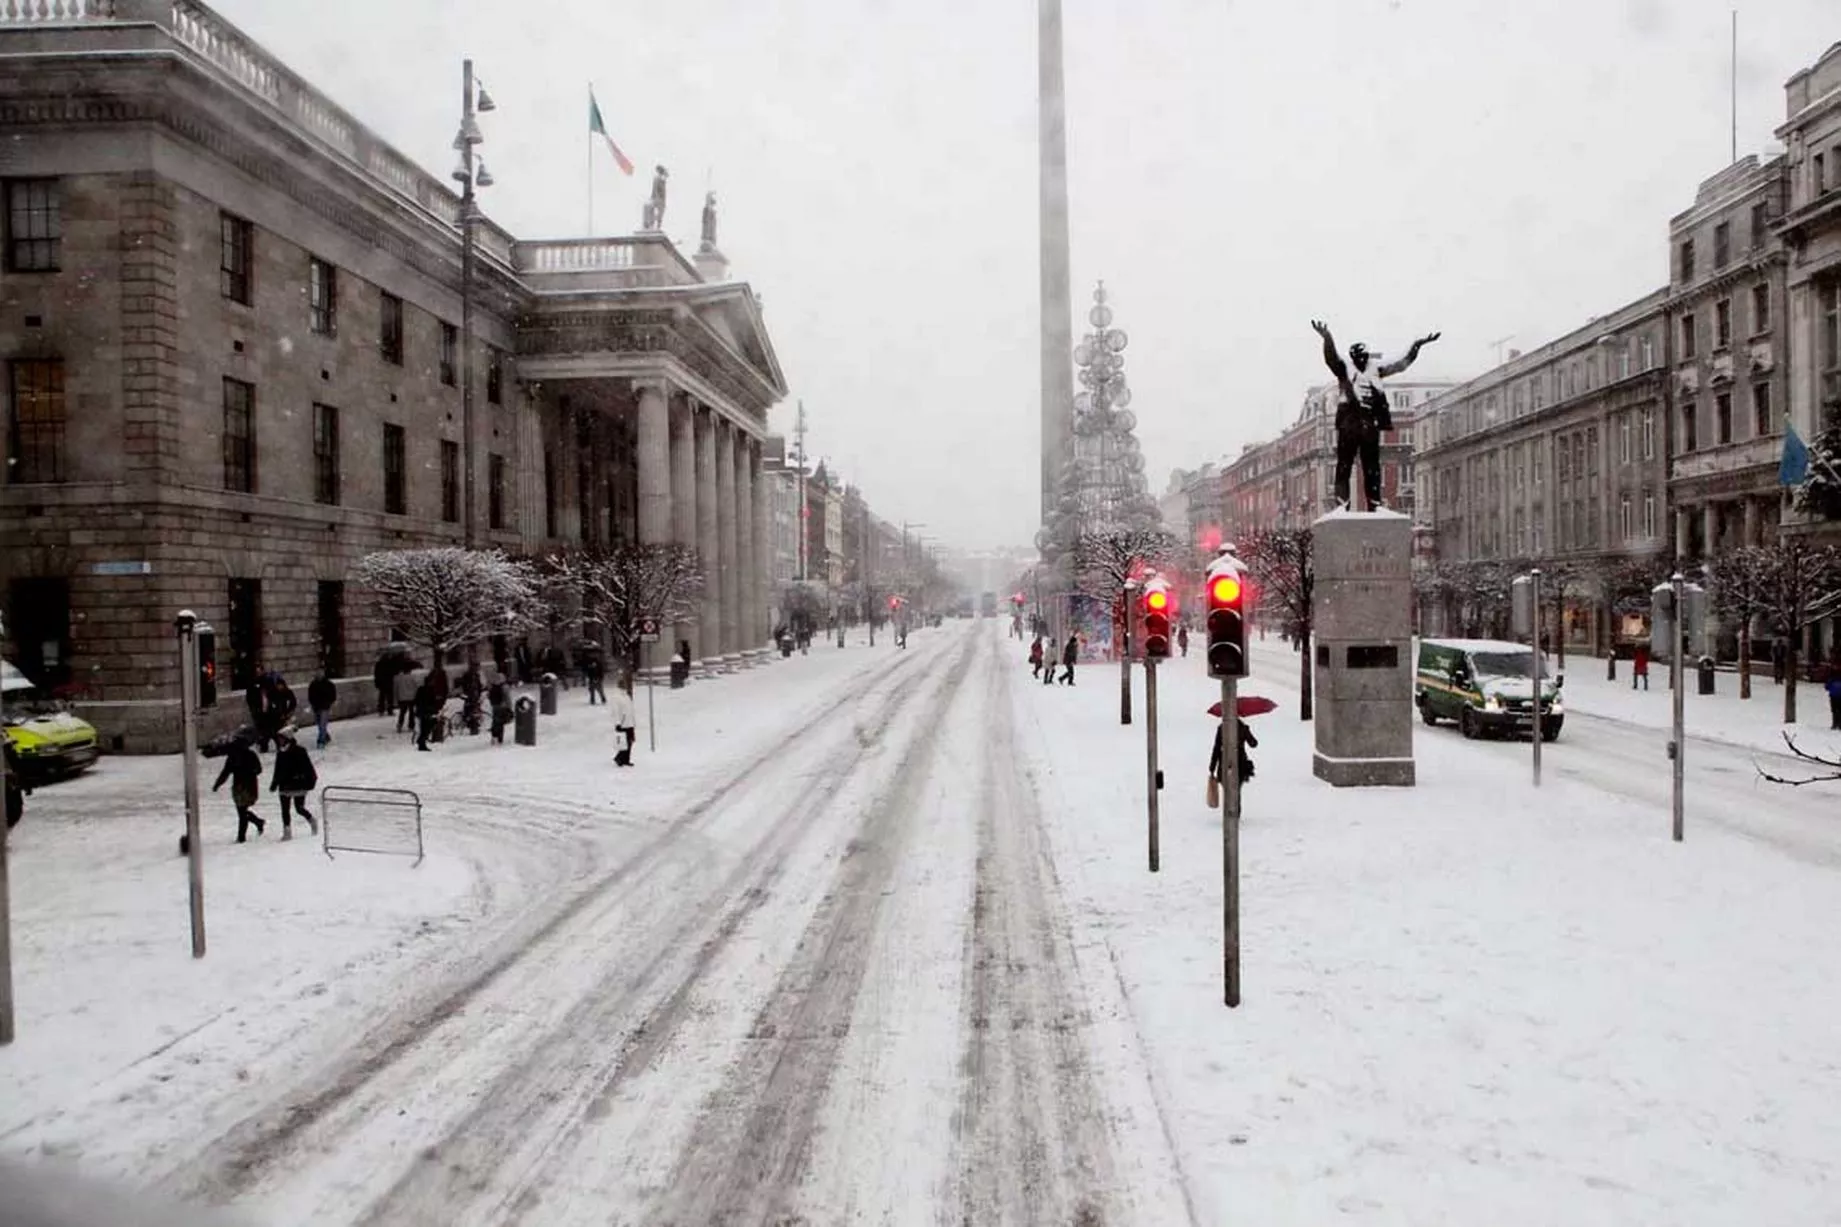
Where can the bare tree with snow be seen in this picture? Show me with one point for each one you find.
(1104, 559)
(1801, 585)
(1285, 577)
(1740, 595)
(447, 597)
(623, 583)
(1832, 762)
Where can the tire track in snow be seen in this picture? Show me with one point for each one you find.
(237, 1160)
(1032, 1130)
(491, 1163)
(750, 1148)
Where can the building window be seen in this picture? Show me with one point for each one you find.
(1649, 517)
(1687, 335)
(1762, 423)
(38, 628)
(36, 421)
(450, 481)
(1760, 225)
(1685, 262)
(1623, 360)
(1538, 539)
(1626, 520)
(1648, 347)
(1722, 244)
(1623, 439)
(549, 494)
(1818, 174)
(237, 242)
(34, 225)
(322, 296)
(390, 333)
(495, 492)
(1722, 417)
(1690, 437)
(1591, 451)
(1828, 309)
(245, 632)
(332, 627)
(450, 348)
(1649, 434)
(239, 436)
(1761, 309)
(396, 470)
(1722, 323)
(495, 376)
(326, 455)
(1540, 464)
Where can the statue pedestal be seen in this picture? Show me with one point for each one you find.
(1363, 638)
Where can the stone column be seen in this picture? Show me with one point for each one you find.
(684, 497)
(1751, 521)
(763, 554)
(709, 630)
(1709, 529)
(731, 561)
(1683, 532)
(653, 459)
(744, 551)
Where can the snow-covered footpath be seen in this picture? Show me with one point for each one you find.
(1468, 1001)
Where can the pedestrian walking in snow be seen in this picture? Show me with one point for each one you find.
(428, 704)
(294, 779)
(1070, 652)
(257, 697)
(1048, 661)
(1035, 657)
(498, 697)
(243, 769)
(322, 693)
(1639, 666)
(1244, 761)
(625, 722)
(472, 692)
(408, 680)
(1834, 700)
(594, 669)
(383, 676)
(1182, 639)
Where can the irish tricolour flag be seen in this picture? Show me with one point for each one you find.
(597, 128)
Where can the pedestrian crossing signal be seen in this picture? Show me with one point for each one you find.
(1227, 647)
(207, 667)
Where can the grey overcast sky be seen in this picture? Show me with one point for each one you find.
(1491, 169)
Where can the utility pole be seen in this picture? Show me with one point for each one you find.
(186, 624)
(1677, 748)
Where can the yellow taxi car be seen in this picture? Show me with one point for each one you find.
(46, 740)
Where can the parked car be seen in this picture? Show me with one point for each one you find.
(1486, 686)
(47, 741)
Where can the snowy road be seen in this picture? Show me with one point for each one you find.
(836, 984)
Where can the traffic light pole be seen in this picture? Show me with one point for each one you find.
(1535, 574)
(1150, 750)
(187, 625)
(6, 911)
(1230, 839)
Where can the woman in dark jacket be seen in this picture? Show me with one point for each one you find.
(244, 771)
(1245, 761)
(429, 702)
(294, 779)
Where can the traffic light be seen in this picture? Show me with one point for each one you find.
(1155, 609)
(1227, 637)
(207, 667)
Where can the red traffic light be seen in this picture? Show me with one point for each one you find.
(1157, 600)
(1225, 590)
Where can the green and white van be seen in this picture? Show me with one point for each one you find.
(1484, 685)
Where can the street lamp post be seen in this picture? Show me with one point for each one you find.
(471, 174)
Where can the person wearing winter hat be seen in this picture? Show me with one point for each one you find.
(294, 779)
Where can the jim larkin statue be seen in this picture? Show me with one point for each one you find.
(1364, 412)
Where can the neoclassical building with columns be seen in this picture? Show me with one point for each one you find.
(230, 321)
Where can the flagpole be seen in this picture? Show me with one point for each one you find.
(590, 233)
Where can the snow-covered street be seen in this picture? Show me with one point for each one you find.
(871, 939)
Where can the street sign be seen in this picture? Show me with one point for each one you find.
(648, 630)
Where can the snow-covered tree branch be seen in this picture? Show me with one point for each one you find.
(1285, 579)
(1832, 762)
(1801, 585)
(1106, 558)
(621, 584)
(1739, 594)
(447, 597)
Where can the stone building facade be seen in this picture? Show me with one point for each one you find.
(229, 315)
(1727, 308)
(1557, 454)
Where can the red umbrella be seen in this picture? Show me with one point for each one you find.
(1247, 705)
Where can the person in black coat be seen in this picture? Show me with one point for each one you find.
(595, 670)
(244, 771)
(1245, 762)
(383, 676)
(498, 698)
(429, 700)
(1069, 654)
(257, 697)
(322, 693)
(294, 779)
(16, 790)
